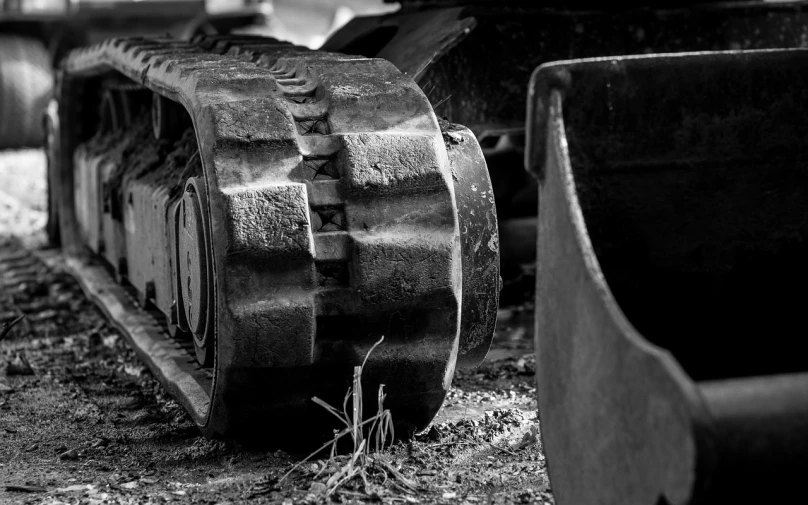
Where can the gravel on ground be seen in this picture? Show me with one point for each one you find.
(88, 423)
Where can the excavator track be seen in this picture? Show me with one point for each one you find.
(254, 216)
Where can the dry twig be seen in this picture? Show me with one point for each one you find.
(379, 432)
(506, 451)
(7, 326)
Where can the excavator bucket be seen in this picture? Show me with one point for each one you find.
(670, 299)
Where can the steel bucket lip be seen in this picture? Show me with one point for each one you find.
(559, 75)
(579, 414)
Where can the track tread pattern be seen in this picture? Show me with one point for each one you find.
(359, 196)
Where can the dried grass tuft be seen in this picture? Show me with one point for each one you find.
(370, 437)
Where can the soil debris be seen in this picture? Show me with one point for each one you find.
(19, 366)
(91, 397)
(69, 455)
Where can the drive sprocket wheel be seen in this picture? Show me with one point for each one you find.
(323, 216)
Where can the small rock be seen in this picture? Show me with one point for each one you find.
(70, 455)
(148, 480)
(44, 315)
(73, 489)
(110, 340)
(129, 485)
(134, 370)
(317, 487)
(60, 448)
(101, 442)
(31, 448)
(449, 496)
(19, 366)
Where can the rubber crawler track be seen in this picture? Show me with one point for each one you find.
(331, 218)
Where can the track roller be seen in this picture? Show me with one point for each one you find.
(195, 278)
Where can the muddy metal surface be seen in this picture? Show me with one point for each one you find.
(83, 421)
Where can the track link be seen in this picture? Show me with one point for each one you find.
(298, 206)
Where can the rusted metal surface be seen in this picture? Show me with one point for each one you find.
(309, 210)
(672, 213)
(195, 269)
(479, 239)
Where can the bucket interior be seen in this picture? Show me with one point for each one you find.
(693, 181)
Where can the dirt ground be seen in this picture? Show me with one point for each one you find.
(83, 421)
